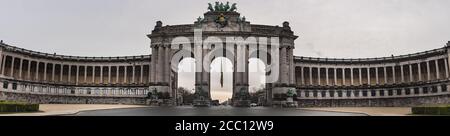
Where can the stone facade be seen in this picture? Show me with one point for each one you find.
(388, 81)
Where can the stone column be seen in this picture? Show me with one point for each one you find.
(410, 73)
(3, 64)
(437, 69)
(335, 76)
(360, 75)
(283, 65)
(69, 76)
(446, 68)
(318, 75)
(53, 72)
(291, 66)
(20, 68)
(327, 76)
(85, 73)
(419, 71)
(45, 71)
(29, 70)
(368, 75)
(61, 73)
(385, 75)
(377, 80)
(93, 74)
(126, 75)
(160, 69)
(343, 76)
(152, 65)
(428, 71)
(12, 67)
(310, 76)
(351, 77)
(117, 74)
(101, 74)
(37, 71)
(109, 74)
(393, 74)
(133, 73)
(402, 74)
(302, 74)
(78, 74)
(141, 80)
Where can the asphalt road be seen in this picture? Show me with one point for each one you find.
(211, 111)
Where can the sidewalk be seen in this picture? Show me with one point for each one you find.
(372, 111)
(61, 109)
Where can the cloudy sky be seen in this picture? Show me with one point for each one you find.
(327, 28)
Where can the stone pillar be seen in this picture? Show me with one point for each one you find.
(141, 80)
(69, 76)
(335, 76)
(343, 76)
(327, 76)
(419, 70)
(133, 73)
(360, 75)
(402, 73)
(117, 74)
(351, 77)
(152, 67)
(446, 68)
(428, 71)
(125, 73)
(410, 73)
(61, 73)
(291, 66)
(20, 68)
(29, 70)
(283, 64)
(437, 68)
(160, 69)
(93, 74)
(85, 73)
(302, 74)
(12, 67)
(77, 76)
(377, 80)
(101, 74)
(45, 71)
(385, 75)
(109, 74)
(3, 64)
(393, 74)
(318, 75)
(310, 76)
(368, 75)
(37, 71)
(53, 72)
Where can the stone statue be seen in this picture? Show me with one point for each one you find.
(210, 8)
(227, 6)
(220, 7)
(233, 7)
(216, 7)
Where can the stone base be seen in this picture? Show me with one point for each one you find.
(241, 103)
(283, 103)
(380, 102)
(160, 89)
(202, 103)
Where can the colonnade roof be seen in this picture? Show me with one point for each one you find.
(72, 58)
(413, 56)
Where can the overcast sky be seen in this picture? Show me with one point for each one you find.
(326, 28)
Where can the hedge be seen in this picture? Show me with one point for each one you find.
(8, 106)
(432, 110)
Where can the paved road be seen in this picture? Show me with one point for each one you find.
(211, 111)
